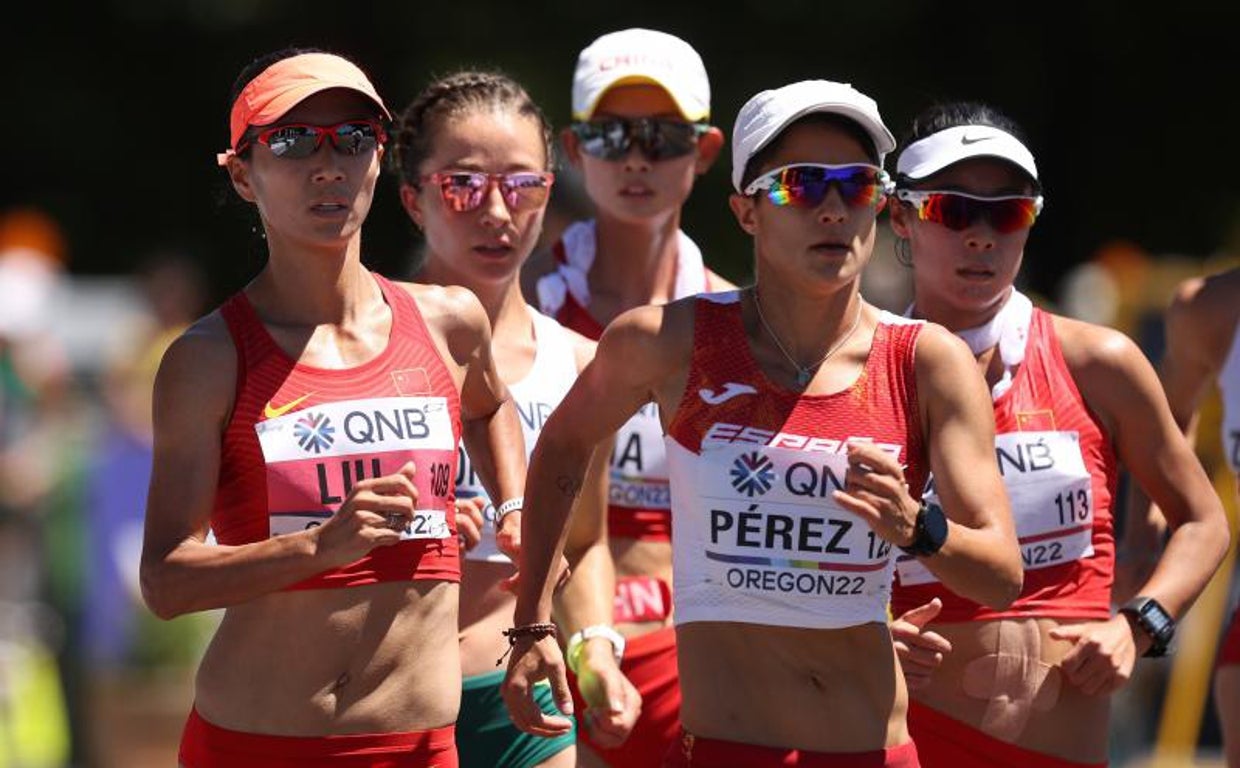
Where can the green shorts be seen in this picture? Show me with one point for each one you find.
(486, 738)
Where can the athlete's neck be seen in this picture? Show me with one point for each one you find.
(506, 308)
(635, 262)
(301, 286)
(943, 311)
(805, 325)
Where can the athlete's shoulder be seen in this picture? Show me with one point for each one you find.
(199, 369)
(1092, 351)
(451, 305)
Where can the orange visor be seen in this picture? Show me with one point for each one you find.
(287, 83)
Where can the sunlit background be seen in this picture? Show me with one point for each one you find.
(116, 230)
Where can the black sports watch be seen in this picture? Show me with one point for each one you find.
(929, 532)
(1153, 620)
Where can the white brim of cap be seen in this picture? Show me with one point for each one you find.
(762, 135)
(590, 95)
(926, 157)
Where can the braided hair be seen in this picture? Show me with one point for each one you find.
(452, 96)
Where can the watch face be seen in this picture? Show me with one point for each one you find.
(1159, 622)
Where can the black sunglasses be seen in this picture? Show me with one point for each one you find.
(658, 139)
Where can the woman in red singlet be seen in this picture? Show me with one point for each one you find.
(802, 422)
(1029, 684)
(1202, 344)
(641, 136)
(311, 422)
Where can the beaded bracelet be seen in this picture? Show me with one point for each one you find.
(537, 631)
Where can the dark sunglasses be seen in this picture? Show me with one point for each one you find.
(958, 211)
(296, 141)
(805, 185)
(464, 191)
(658, 139)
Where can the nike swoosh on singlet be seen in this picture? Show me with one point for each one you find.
(966, 140)
(730, 390)
(271, 412)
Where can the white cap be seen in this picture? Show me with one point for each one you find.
(766, 115)
(926, 157)
(634, 56)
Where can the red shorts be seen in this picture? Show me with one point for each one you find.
(204, 745)
(698, 752)
(944, 742)
(1229, 651)
(650, 664)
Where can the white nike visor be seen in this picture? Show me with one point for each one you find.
(926, 157)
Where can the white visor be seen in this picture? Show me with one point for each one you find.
(926, 157)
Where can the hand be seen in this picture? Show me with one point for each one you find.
(508, 535)
(875, 490)
(373, 515)
(920, 652)
(1103, 654)
(613, 704)
(469, 521)
(528, 663)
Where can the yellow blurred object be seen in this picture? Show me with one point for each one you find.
(34, 729)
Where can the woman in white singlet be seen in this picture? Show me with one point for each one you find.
(473, 154)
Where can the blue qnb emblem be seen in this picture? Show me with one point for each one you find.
(752, 474)
(314, 432)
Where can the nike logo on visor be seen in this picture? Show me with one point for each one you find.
(730, 390)
(271, 412)
(967, 139)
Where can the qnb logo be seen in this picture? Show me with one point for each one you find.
(314, 432)
(752, 474)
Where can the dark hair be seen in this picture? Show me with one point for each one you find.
(256, 68)
(953, 114)
(452, 96)
(835, 120)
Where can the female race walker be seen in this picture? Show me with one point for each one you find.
(473, 152)
(802, 423)
(1029, 684)
(1202, 344)
(312, 423)
(641, 106)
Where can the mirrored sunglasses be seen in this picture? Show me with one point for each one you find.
(464, 191)
(805, 185)
(658, 139)
(958, 210)
(296, 141)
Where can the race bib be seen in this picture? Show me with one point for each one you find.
(638, 477)
(314, 457)
(1052, 501)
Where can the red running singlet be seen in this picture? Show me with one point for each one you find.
(300, 437)
(1060, 472)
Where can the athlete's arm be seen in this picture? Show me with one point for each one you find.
(1196, 346)
(1117, 383)
(490, 426)
(639, 351)
(980, 559)
(180, 573)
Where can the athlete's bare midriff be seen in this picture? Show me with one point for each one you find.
(486, 611)
(1048, 715)
(836, 690)
(380, 658)
(641, 558)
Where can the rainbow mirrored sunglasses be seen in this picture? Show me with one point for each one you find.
(805, 185)
(959, 210)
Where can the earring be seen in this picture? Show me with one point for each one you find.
(904, 253)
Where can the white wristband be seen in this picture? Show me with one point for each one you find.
(573, 650)
(514, 504)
